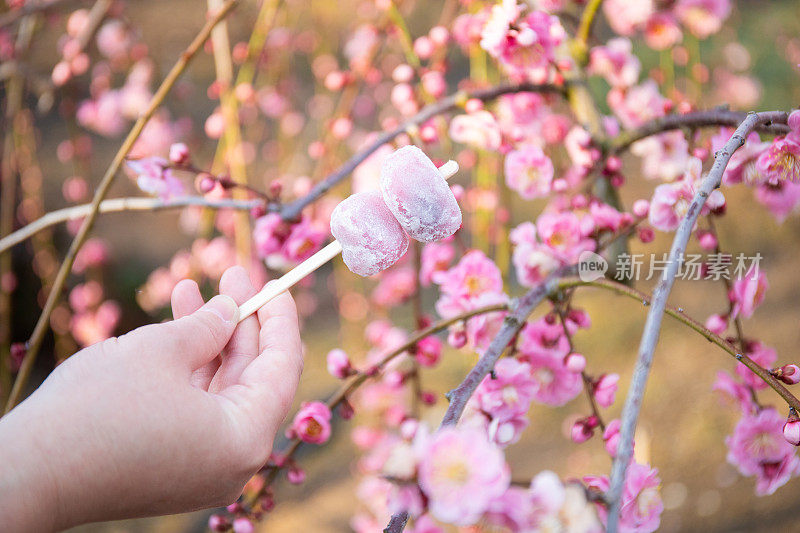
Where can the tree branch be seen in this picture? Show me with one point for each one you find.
(292, 211)
(119, 205)
(35, 342)
(10, 17)
(633, 402)
(695, 119)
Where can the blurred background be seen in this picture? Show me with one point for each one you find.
(683, 423)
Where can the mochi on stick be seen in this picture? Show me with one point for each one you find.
(417, 194)
(371, 238)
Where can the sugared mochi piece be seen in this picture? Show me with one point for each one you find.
(371, 238)
(418, 195)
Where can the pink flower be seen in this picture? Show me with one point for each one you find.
(764, 356)
(529, 172)
(781, 160)
(758, 448)
(748, 292)
(554, 383)
(625, 17)
(396, 286)
(532, 260)
(474, 275)
(460, 472)
(304, 240)
(428, 351)
(638, 104)
(579, 147)
(739, 392)
(611, 437)
(154, 177)
(269, 234)
(671, 201)
(478, 129)
(641, 502)
(615, 62)
(717, 324)
(312, 423)
(703, 17)
(512, 511)
(791, 431)
(605, 389)
(564, 235)
(664, 156)
(781, 198)
(560, 507)
(509, 393)
(742, 167)
(339, 365)
(662, 32)
(524, 46)
(436, 257)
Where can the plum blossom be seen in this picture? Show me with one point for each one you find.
(781, 161)
(638, 104)
(758, 448)
(555, 384)
(764, 356)
(474, 275)
(662, 32)
(605, 389)
(742, 166)
(304, 240)
(524, 45)
(625, 16)
(532, 260)
(529, 172)
(641, 501)
(664, 156)
(478, 129)
(508, 393)
(436, 257)
(703, 17)
(564, 234)
(460, 473)
(748, 292)
(781, 198)
(671, 200)
(154, 176)
(311, 424)
(561, 507)
(615, 62)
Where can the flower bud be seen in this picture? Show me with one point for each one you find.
(611, 437)
(791, 429)
(339, 364)
(179, 154)
(243, 525)
(641, 208)
(789, 374)
(204, 183)
(575, 362)
(583, 429)
(457, 336)
(296, 475)
(605, 389)
(218, 523)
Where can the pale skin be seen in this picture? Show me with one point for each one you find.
(168, 418)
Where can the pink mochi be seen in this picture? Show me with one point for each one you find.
(371, 238)
(418, 195)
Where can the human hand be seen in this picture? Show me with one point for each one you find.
(168, 418)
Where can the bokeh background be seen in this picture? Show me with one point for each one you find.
(683, 422)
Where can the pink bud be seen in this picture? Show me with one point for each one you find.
(605, 389)
(646, 234)
(428, 397)
(243, 525)
(641, 208)
(423, 47)
(312, 423)
(583, 429)
(234, 508)
(204, 183)
(403, 73)
(794, 120)
(473, 105)
(791, 430)
(708, 241)
(575, 362)
(339, 364)
(611, 437)
(613, 164)
(335, 80)
(789, 374)
(345, 410)
(439, 35)
(179, 153)
(717, 324)
(428, 351)
(296, 475)
(457, 337)
(218, 523)
(409, 428)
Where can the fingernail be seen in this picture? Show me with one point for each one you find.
(224, 307)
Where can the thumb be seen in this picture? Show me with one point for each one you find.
(198, 338)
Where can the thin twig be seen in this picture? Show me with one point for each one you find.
(35, 342)
(119, 205)
(292, 210)
(29, 8)
(633, 402)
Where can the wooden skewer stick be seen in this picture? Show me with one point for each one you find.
(288, 280)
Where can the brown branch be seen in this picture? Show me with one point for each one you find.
(119, 205)
(29, 8)
(292, 211)
(633, 402)
(695, 119)
(35, 342)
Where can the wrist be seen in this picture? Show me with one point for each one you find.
(28, 492)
